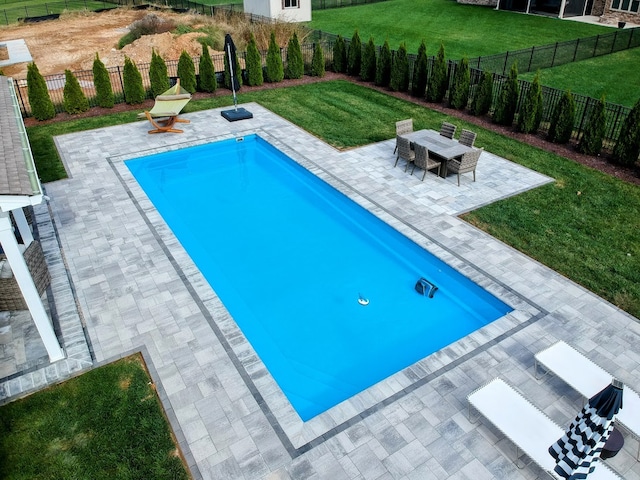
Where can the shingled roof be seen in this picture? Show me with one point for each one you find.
(15, 155)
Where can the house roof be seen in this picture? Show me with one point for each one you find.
(16, 165)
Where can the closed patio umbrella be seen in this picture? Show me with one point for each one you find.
(236, 113)
(577, 451)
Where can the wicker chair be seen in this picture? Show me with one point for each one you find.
(467, 137)
(466, 164)
(402, 128)
(448, 129)
(423, 161)
(404, 151)
(11, 298)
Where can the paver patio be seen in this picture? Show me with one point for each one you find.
(138, 290)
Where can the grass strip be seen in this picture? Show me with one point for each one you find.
(583, 226)
(104, 424)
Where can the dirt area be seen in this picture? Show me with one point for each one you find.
(72, 41)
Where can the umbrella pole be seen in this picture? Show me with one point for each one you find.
(233, 79)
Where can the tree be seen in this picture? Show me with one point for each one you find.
(531, 109)
(41, 105)
(275, 69)
(591, 141)
(237, 72)
(253, 63)
(400, 70)
(158, 75)
(133, 89)
(187, 72)
(368, 65)
(628, 145)
(459, 94)
(420, 72)
(383, 66)
(507, 102)
(438, 80)
(208, 82)
(295, 63)
(562, 119)
(339, 55)
(481, 103)
(74, 99)
(102, 82)
(354, 58)
(317, 63)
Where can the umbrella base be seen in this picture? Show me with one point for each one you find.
(614, 444)
(235, 115)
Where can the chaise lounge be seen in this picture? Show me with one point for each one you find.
(587, 378)
(523, 424)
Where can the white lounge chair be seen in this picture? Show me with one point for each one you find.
(587, 378)
(524, 424)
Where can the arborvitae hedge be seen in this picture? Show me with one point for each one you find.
(531, 109)
(158, 74)
(383, 67)
(187, 72)
(236, 70)
(339, 55)
(133, 88)
(593, 134)
(459, 95)
(481, 103)
(275, 69)
(507, 102)
(438, 80)
(400, 70)
(102, 82)
(317, 63)
(368, 66)
(562, 119)
(253, 63)
(41, 105)
(207, 82)
(420, 72)
(74, 98)
(295, 63)
(626, 150)
(354, 58)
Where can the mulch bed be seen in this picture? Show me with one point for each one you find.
(601, 162)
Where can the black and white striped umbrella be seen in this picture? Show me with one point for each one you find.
(577, 451)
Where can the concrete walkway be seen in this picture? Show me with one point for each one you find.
(138, 290)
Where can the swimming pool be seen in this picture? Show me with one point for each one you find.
(322, 289)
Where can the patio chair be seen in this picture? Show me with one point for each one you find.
(526, 426)
(404, 151)
(467, 137)
(402, 128)
(448, 129)
(588, 378)
(164, 114)
(423, 161)
(467, 163)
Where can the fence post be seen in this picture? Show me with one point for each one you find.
(613, 44)
(530, 59)
(17, 89)
(504, 67)
(121, 84)
(595, 47)
(575, 52)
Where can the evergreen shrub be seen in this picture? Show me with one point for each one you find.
(438, 80)
(420, 72)
(102, 82)
(187, 72)
(383, 66)
(593, 134)
(628, 145)
(459, 95)
(400, 70)
(41, 105)
(368, 66)
(481, 103)
(562, 119)
(507, 102)
(133, 88)
(295, 63)
(158, 75)
(339, 55)
(530, 114)
(317, 63)
(227, 72)
(275, 69)
(208, 82)
(74, 99)
(354, 57)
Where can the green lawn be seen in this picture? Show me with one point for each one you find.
(615, 76)
(465, 30)
(11, 12)
(105, 424)
(584, 225)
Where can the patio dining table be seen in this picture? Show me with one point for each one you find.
(444, 148)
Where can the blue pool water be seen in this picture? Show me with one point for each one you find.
(290, 257)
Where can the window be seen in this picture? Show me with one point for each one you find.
(626, 5)
(290, 3)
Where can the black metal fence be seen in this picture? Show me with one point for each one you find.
(547, 56)
(51, 10)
